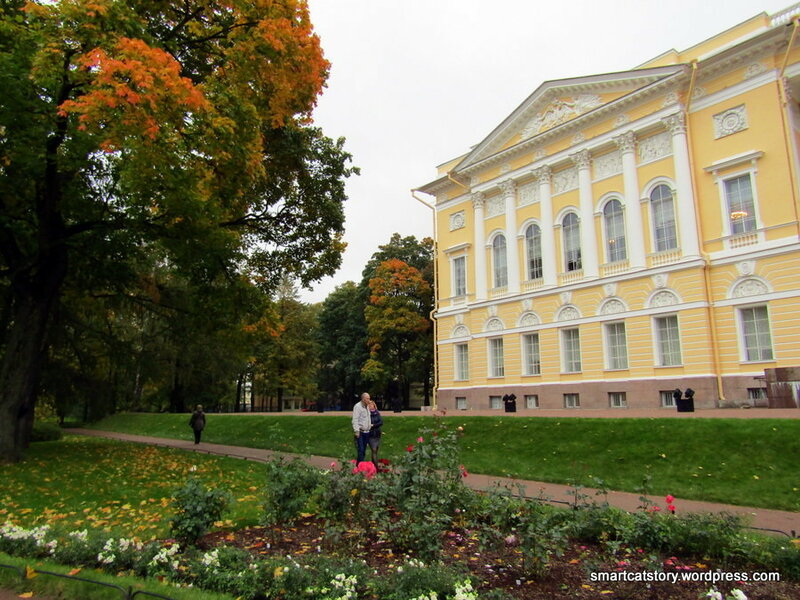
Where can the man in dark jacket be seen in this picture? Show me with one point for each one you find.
(197, 422)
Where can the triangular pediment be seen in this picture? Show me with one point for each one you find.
(554, 104)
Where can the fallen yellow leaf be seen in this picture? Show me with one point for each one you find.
(30, 572)
(26, 595)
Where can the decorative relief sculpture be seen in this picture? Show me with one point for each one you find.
(730, 121)
(560, 111)
(663, 298)
(754, 69)
(746, 267)
(494, 325)
(578, 138)
(459, 319)
(565, 180)
(528, 194)
(699, 92)
(566, 297)
(478, 200)
(529, 319)
(496, 205)
(457, 221)
(568, 313)
(660, 280)
(608, 164)
(672, 98)
(459, 332)
(527, 304)
(612, 306)
(610, 289)
(621, 120)
(492, 311)
(655, 147)
(749, 287)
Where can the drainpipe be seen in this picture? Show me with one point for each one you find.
(786, 129)
(703, 254)
(432, 314)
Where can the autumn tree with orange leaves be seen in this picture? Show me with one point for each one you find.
(398, 325)
(142, 135)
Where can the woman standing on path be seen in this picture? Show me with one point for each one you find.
(376, 422)
(197, 422)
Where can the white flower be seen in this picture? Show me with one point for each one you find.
(738, 594)
(714, 595)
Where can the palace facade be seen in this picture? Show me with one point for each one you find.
(625, 234)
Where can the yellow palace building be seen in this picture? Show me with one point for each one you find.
(625, 234)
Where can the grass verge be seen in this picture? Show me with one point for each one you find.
(748, 462)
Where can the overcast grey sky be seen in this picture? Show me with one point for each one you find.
(415, 83)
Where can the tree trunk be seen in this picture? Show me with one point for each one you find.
(19, 372)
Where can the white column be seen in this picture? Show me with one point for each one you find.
(509, 189)
(634, 227)
(687, 219)
(480, 247)
(589, 261)
(544, 176)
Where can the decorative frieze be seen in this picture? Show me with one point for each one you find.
(457, 220)
(568, 313)
(654, 147)
(754, 69)
(749, 287)
(663, 298)
(612, 307)
(608, 164)
(730, 121)
(496, 205)
(565, 180)
(528, 194)
(494, 324)
(529, 319)
(560, 111)
(460, 332)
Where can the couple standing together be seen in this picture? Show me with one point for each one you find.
(367, 424)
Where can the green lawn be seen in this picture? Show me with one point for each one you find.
(749, 462)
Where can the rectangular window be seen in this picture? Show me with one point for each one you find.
(572, 401)
(666, 398)
(461, 403)
(531, 401)
(462, 362)
(617, 400)
(757, 396)
(460, 276)
(495, 402)
(739, 199)
(756, 337)
(668, 341)
(571, 350)
(616, 346)
(496, 366)
(530, 354)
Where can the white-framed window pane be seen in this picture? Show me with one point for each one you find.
(495, 402)
(757, 395)
(530, 353)
(617, 400)
(572, 400)
(460, 276)
(531, 401)
(741, 209)
(663, 209)
(571, 348)
(755, 332)
(616, 346)
(462, 362)
(461, 403)
(667, 400)
(496, 364)
(615, 231)
(533, 249)
(499, 261)
(572, 242)
(668, 341)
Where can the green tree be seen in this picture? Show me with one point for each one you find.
(396, 323)
(343, 344)
(131, 128)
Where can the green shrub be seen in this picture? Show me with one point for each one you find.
(46, 432)
(415, 579)
(196, 509)
(289, 488)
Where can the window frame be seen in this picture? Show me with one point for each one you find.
(454, 260)
(571, 242)
(666, 398)
(530, 367)
(609, 346)
(461, 363)
(533, 252)
(499, 267)
(496, 358)
(744, 348)
(531, 401)
(658, 343)
(653, 213)
(570, 346)
(572, 400)
(620, 397)
(619, 242)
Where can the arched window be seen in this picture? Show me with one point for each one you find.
(615, 231)
(572, 242)
(662, 207)
(533, 250)
(499, 261)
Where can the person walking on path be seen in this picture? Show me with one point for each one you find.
(376, 422)
(197, 422)
(361, 426)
